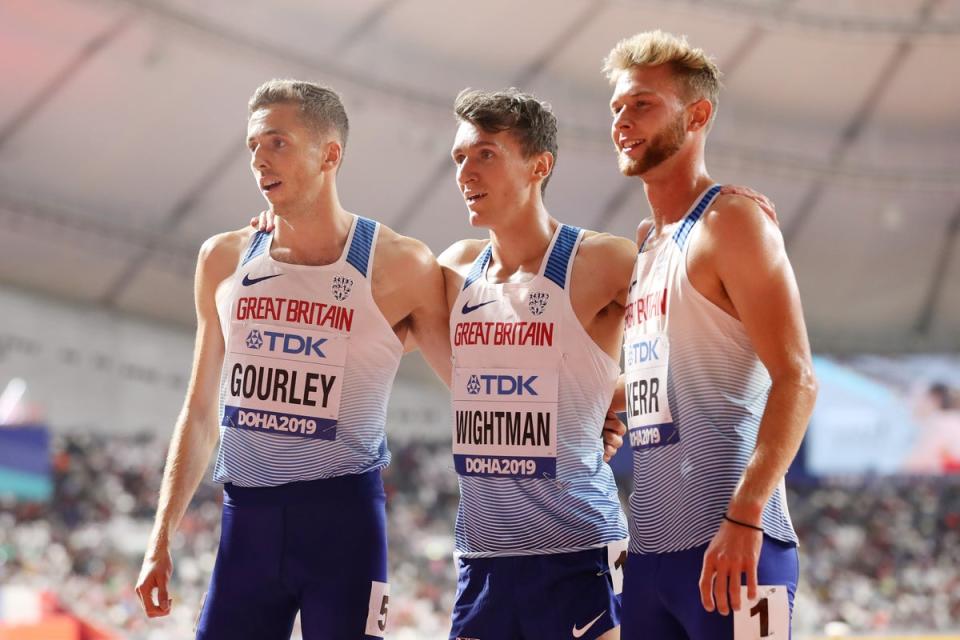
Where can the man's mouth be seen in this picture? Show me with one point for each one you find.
(474, 197)
(627, 146)
(269, 185)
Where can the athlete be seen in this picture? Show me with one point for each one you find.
(718, 385)
(299, 334)
(536, 315)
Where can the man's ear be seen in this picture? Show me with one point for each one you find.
(332, 155)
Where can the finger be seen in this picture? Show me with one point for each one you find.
(720, 590)
(735, 590)
(145, 591)
(706, 583)
(139, 592)
(163, 597)
(752, 582)
(612, 439)
(255, 222)
(615, 426)
(608, 452)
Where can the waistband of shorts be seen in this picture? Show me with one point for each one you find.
(701, 548)
(339, 487)
(598, 554)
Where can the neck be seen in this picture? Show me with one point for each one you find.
(521, 244)
(672, 187)
(314, 227)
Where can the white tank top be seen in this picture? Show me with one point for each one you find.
(530, 393)
(696, 392)
(308, 367)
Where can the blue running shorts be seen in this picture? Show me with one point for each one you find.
(540, 597)
(318, 547)
(661, 592)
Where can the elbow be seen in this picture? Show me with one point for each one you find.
(806, 387)
(801, 380)
(809, 383)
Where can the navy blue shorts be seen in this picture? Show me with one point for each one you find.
(661, 592)
(544, 597)
(317, 547)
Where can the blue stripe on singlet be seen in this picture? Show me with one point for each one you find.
(361, 245)
(556, 269)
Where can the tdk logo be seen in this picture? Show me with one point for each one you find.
(501, 385)
(254, 340)
(643, 351)
(293, 344)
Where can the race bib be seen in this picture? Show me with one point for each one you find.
(505, 422)
(284, 380)
(649, 418)
(767, 616)
(616, 560)
(378, 610)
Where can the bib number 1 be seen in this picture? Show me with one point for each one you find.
(766, 616)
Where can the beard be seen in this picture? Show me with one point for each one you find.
(661, 147)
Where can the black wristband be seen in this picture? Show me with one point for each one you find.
(743, 524)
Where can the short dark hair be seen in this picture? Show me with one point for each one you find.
(321, 107)
(530, 120)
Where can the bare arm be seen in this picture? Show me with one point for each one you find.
(196, 432)
(600, 284)
(430, 318)
(749, 257)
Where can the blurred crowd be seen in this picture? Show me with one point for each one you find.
(877, 555)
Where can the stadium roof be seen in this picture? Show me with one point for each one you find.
(122, 130)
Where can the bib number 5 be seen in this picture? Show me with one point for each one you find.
(377, 611)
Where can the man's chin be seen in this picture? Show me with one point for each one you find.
(630, 168)
(475, 219)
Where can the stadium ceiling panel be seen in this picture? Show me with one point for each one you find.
(122, 127)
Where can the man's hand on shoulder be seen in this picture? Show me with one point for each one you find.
(766, 204)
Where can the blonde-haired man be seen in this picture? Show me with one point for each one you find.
(718, 384)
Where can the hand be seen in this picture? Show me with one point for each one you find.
(266, 221)
(734, 551)
(613, 432)
(762, 201)
(155, 574)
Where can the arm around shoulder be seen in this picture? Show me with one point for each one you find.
(429, 320)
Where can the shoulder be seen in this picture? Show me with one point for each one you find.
(733, 216)
(603, 249)
(736, 228)
(402, 254)
(643, 230)
(461, 253)
(599, 242)
(219, 254)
